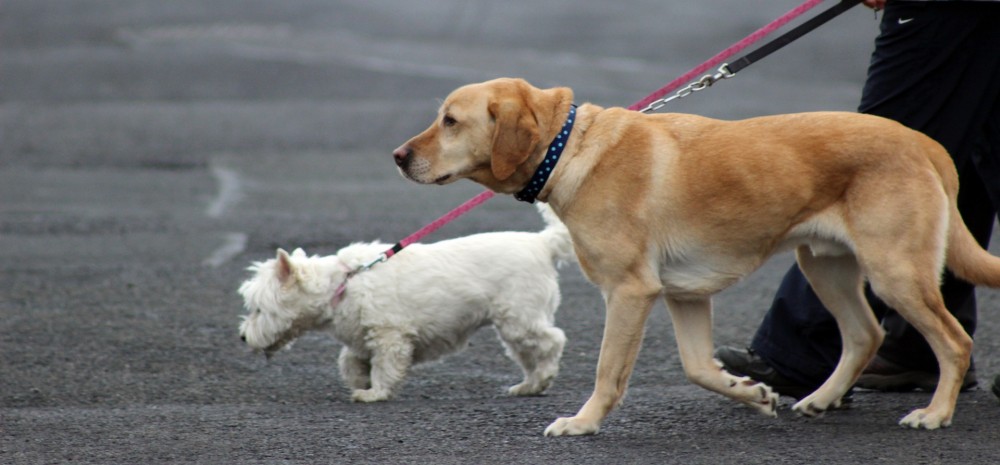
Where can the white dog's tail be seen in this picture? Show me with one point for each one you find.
(555, 234)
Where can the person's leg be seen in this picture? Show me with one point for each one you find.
(988, 162)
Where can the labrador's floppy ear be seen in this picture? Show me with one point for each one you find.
(515, 135)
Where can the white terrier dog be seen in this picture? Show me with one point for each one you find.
(418, 306)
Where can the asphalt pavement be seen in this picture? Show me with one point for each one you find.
(151, 150)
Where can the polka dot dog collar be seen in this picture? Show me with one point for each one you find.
(537, 182)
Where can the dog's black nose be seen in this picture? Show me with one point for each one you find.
(243, 338)
(402, 155)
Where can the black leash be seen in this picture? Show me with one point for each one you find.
(790, 36)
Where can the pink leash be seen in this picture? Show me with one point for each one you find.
(443, 220)
(673, 85)
(424, 231)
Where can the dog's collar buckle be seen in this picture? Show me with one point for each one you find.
(541, 176)
(367, 266)
(351, 272)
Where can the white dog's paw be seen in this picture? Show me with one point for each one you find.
(527, 389)
(924, 418)
(370, 395)
(523, 389)
(571, 426)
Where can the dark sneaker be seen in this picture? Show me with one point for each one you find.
(883, 375)
(744, 362)
(996, 386)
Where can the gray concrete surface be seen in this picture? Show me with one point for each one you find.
(150, 150)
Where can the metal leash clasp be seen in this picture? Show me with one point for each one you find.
(381, 258)
(703, 83)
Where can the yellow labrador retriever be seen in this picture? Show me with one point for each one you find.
(682, 206)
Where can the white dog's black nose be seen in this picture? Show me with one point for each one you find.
(403, 155)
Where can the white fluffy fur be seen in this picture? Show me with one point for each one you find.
(423, 303)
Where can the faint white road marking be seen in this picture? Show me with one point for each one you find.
(233, 245)
(229, 191)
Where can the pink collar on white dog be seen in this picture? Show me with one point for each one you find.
(339, 293)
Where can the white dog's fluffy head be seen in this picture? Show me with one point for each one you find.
(287, 296)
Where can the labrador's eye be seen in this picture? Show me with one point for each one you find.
(448, 121)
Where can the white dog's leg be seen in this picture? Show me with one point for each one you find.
(692, 321)
(838, 284)
(354, 369)
(393, 355)
(537, 347)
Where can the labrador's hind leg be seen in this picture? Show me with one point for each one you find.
(917, 298)
(837, 281)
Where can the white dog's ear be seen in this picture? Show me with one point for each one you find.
(285, 270)
(299, 253)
